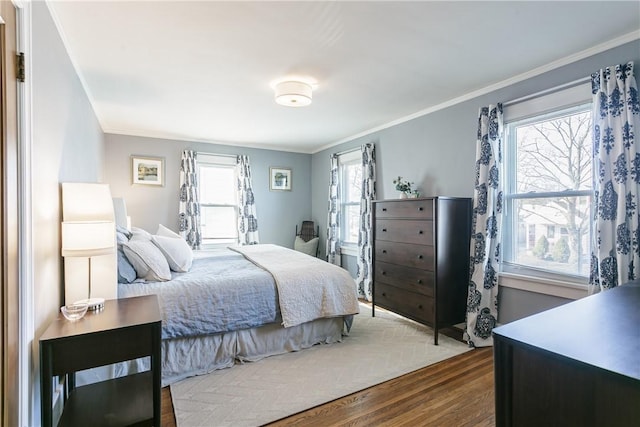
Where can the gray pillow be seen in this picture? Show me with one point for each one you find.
(309, 248)
(126, 272)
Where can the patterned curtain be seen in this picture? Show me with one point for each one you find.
(368, 194)
(189, 206)
(247, 217)
(482, 301)
(615, 258)
(333, 222)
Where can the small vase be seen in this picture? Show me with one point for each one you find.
(403, 195)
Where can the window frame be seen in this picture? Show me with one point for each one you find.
(347, 159)
(217, 161)
(576, 97)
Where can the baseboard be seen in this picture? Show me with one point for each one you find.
(456, 332)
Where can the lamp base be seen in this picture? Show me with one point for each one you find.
(94, 304)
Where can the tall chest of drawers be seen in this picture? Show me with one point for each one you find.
(421, 259)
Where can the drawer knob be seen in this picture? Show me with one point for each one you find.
(420, 232)
(384, 229)
(420, 208)
(384, 273)
(384, 210)
(420, 257)
(384, 251)
(384, 294)
(419, 281)
(420, 306)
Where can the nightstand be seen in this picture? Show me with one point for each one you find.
(125, 329)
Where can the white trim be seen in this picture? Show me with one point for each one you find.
(27, 411)
(557, 98)
(634, 35)
(350, 250)
(556, 288)
(216, 159)
(352, 156)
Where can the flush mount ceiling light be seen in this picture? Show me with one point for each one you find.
(292, 93)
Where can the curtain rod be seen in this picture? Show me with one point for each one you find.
(568, 85)
(215, 154)
(350, 150)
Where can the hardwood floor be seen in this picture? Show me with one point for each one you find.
(455, 392)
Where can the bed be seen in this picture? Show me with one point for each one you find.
(242, 304)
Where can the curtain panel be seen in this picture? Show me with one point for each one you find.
(615, 257)
(482, 300)
(333, 215)
(247, 216)
(189, 206)
(365, 234)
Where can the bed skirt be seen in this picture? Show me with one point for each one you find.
(190, 356)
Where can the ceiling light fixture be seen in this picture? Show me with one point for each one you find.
(293, 93)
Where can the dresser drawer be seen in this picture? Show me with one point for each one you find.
(418, 256)
(410, 304)
(405, 231)
(412, 279)
(417, 209)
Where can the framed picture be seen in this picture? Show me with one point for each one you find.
(280, 179)
(147, 170)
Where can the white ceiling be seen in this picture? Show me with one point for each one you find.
(202, 71)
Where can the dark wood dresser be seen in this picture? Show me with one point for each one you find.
(421, 258)
(574, 365)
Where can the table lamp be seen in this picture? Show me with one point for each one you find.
(87, 239)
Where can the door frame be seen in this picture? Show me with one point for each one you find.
(18, 386)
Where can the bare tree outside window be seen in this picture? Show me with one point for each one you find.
(352, 175)
(550, 181)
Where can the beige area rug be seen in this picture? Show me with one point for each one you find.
(377, 349)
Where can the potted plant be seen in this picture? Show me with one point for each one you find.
(403, 186)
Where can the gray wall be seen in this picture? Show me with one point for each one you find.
(67, 147)
(278, 211)
(437, 152)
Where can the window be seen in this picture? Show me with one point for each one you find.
(548, 188)
(218, 199)
(350, 178)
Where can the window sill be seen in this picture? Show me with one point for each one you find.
(350, 250)
(552, 287)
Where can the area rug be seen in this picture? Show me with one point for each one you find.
(377, 349)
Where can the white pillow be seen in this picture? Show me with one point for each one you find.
(177, 252)
(149, 263)
(309, 248)
(164, 231)
(139, 234)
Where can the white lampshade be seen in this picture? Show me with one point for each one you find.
(86, 202)
(293, 93)
(88, 238)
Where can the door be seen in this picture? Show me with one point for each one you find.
(9, 216)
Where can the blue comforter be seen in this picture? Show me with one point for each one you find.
(224, 283)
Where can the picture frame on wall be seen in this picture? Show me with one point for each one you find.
(280, 179)
(147, 170)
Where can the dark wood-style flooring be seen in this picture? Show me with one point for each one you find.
(454, 393)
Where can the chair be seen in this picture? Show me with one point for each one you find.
(307, 239)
